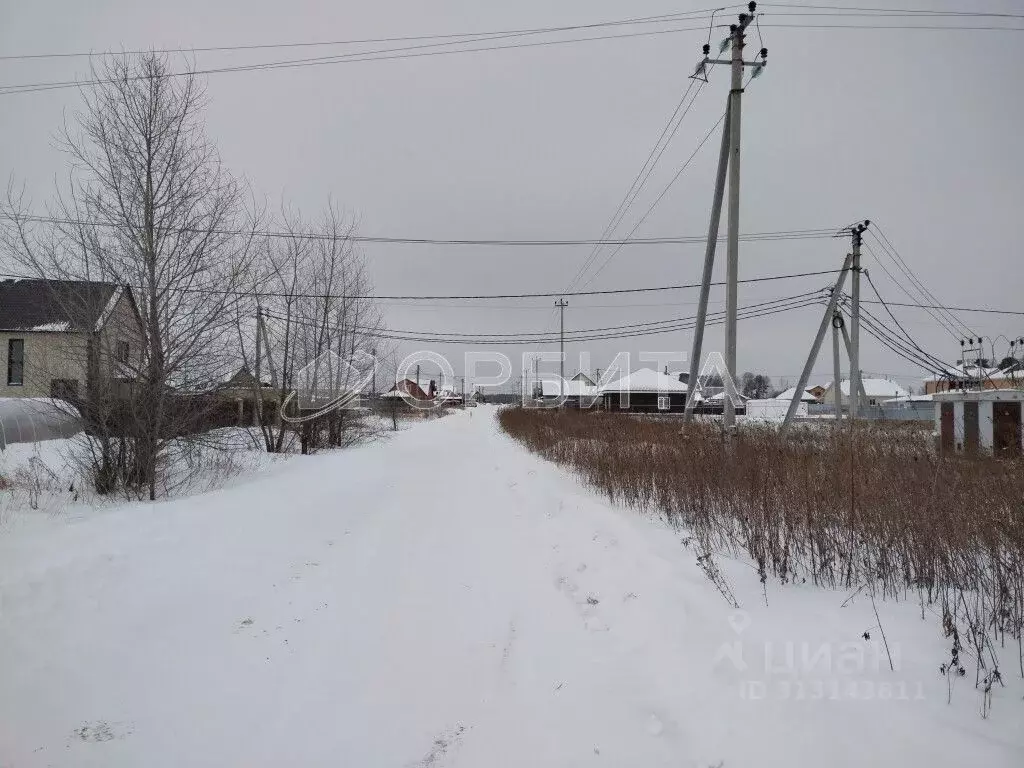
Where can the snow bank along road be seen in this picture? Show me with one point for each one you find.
(443, 598)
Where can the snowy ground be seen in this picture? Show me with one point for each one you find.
(442, 598)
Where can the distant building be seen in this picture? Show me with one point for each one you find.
(583, 379)
(648, 390)
(807, 397)
(966, 376)
(980, 421)
(876, 390)
(818, 390)
(578, 392)
(425, 389)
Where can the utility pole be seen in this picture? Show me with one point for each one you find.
(709, 267)
(561, 304)
(837, 390)
(730, 159)
(856, 232)
(373, 391)
(732, 260)
(849, 348)
(801, 385)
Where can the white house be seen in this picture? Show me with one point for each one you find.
(876, 390)
(790, 393)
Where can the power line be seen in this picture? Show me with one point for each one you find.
(641, 177)
(454, 36)
(795, 234)
(386, 54)
(881, 239)
(954, 309)
(815, 10)
(899, 325)
(658, 199)
(407, 52)
(685, 324)
(943, 323)
(329, 296)
(572, 335)
(889, 11)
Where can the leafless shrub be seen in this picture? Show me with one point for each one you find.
(875, 505)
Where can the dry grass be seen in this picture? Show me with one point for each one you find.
(873, 508)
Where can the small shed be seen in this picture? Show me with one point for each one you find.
(644, 390)
(973, 421)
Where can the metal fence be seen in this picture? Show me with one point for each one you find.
(907, 411)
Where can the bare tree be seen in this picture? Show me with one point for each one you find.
(149, 205)
(314, 320)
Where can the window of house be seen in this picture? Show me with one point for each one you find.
(664, 403)
(15, 362)
(123, 352)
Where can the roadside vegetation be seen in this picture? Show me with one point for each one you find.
(873, 509)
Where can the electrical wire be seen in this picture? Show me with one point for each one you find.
(487, 296)
(796, 234)
(657, 200)
(899, 325)
(638, 182)
(879, 236)
(454, 36)
(745, 313)
(944, 324)
(386, 54)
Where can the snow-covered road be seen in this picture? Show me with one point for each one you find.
(442, 599)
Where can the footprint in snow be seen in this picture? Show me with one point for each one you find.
(441, 746)
(100, 730)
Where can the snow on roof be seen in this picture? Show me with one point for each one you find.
(791, 392)
(911, 399)
(877, 388)
(720, 397)
(645, 380)
(574, 388)
(964, 371)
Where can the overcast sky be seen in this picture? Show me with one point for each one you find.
(917, 130)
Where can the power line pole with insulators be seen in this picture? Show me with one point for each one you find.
(730, 160)
(856, 232)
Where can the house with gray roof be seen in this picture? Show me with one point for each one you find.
(68, 339)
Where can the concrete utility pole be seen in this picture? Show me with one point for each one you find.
(856, 232)
(732, 260)
(709, 267)
(837, 390)
(816, 345)
(561, 304)
(849, 348)
(730, 134)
